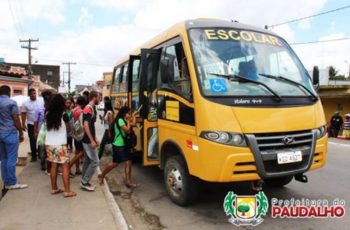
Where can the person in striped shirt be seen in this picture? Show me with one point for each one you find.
(346, 128)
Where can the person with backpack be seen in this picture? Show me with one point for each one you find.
(107, 122)
(122, 127)
(90, 142)
(78, 134)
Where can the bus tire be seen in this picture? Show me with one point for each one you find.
(279, 181)
(181, 187)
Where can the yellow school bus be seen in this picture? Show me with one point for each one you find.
(221, 101)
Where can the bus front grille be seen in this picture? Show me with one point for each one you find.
(266, 147)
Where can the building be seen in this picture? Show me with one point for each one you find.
(16, 78)
(107, 78)
(335, 98)
(49, 74)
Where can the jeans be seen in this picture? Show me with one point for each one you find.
(32, 141)
(91, 162)
(334, 132)
(105, 140)
(9, 144)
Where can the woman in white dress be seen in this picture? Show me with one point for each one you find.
(56, 143)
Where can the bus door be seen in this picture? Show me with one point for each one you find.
(133, 95)
(148, 100)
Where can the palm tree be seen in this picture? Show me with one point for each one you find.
(332, 72)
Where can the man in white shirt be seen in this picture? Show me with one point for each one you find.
(28, 115)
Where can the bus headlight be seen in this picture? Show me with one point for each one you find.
(321, 132)
(235, 139)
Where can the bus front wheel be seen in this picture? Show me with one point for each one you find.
(278, 182)
(182, 188)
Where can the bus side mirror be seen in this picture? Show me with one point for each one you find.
(315, 76)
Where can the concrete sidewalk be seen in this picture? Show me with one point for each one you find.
(35, 208)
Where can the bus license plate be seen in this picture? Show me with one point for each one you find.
(289, 157)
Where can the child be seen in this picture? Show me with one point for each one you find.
(69, 112)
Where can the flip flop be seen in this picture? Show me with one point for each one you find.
(132, 185)
(99, 176)
(56, 191)
(69, 194)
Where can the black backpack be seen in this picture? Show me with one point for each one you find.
(130, 139)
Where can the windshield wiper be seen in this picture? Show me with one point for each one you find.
(239, 78)
(314, 97)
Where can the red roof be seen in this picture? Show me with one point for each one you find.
(12, 71)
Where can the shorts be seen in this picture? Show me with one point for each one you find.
(346, 134)
(120, 154)
(78, 146)
(57, 154)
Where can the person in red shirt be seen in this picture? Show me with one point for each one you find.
(79, 150)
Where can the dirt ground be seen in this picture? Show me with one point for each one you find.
(136, 215)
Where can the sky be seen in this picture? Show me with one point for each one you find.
(96, 33)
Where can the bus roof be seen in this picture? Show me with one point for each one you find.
(182, 26)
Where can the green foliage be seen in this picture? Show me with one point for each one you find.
(243, 208)
(333, 75)
(263, 204)
(332, 72)
(228, 203)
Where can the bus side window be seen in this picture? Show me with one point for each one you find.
(116, 80)
(123, 83)
(135, 84)
(174, 71)
(136, 76)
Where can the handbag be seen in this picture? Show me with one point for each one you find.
(42, 135)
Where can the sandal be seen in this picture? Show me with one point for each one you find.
(132, 185)
(56, 191)
(69, 194)
(100, 178)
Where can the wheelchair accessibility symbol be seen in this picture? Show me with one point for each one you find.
(218, 85)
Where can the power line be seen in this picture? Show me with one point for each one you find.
(311, 16)
(19, 13)
(79, 63)
(321, 41)
(14, 19)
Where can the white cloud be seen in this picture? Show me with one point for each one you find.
(285, 31)
(52, 11)
(122, 5)
(305, 24)
(85, 17)
(143, 19)
(333, 53)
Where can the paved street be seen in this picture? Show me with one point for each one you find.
(35, 208)
(148, 206)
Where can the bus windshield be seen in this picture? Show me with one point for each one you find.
(226, 57)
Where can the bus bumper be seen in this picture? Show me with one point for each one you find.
(223, 163)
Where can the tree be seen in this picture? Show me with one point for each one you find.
(243, 209)
(332, 72)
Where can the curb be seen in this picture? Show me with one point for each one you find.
(338, 144)
(116, 212)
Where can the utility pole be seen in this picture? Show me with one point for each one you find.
(69, 72)
(30, 48)
(63, 80)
